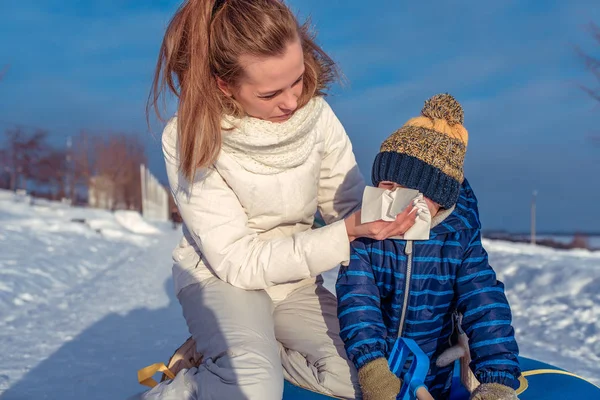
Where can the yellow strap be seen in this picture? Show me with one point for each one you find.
(523, 384)
(145, 375)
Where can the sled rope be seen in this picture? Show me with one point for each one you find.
(145, 374)
(145, 377)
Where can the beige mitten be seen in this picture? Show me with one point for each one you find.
(493, 391)
(377, 382)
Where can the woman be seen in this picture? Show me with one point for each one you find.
(252, 155)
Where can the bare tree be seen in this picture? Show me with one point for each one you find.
(118, 159)
(4, 170)
(592, 62)
(110, 164)
(51, 170)
(22, 154)
(83, 156)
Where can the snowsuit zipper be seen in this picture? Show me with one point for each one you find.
(408, 249)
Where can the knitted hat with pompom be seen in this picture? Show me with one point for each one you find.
(428, 152)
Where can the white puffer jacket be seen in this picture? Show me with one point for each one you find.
(248, 219)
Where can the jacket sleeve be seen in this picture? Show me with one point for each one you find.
(218, 224)
(486, 318)
(341, 184)
(359, 309)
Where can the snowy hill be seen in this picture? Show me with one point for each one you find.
(555, 297)
(86, 300)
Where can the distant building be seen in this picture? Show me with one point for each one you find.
(155, 197)
(101, 193)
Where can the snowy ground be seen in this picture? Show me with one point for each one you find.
(86, 300)
(555, 298)
(83, 306)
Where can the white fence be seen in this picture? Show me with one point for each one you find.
(155, 199)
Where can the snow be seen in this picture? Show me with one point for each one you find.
(133, 221)
(83, 305)
(86, 299)
(554, 296)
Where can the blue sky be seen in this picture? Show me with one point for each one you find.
(88, 65)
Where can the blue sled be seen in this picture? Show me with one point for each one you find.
(541, 382)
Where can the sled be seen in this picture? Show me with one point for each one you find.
(539, 380)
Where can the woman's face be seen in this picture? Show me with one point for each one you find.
(270, 87)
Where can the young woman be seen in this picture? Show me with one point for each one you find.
(253, 153)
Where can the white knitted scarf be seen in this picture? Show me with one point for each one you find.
(266, 148)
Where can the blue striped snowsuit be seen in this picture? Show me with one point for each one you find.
(449, 272)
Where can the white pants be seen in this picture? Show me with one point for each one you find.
(250, 344)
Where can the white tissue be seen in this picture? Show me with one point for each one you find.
(380, 204)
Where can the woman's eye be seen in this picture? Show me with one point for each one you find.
(268, 97)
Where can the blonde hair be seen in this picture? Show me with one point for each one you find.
(204, 40)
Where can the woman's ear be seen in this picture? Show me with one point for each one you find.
(224, 87)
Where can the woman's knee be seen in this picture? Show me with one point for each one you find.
(338, 375)
(220, 316)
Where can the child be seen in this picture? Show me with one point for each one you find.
(415, 289)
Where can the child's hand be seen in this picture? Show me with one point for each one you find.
(493, 391)
(380, 230)
(377, 382)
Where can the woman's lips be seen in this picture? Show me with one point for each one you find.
(282, 117)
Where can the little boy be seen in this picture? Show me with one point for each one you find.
(414, 289)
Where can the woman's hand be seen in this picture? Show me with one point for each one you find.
(380, 230)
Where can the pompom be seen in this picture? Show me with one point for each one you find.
(444, 106)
